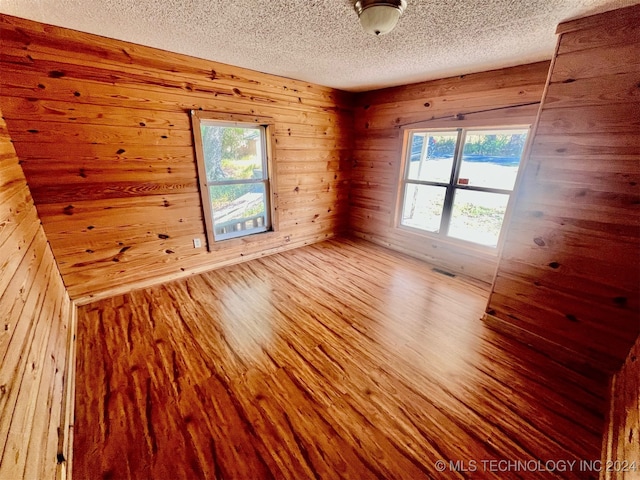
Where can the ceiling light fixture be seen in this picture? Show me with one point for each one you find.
(379, 17)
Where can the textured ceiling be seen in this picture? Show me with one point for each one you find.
(320, 41)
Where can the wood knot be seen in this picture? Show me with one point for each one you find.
(620, 301)
(539, 241)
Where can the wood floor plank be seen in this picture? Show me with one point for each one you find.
(337, 360)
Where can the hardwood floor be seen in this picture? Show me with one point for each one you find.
(336, 360)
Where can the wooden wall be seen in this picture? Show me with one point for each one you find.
(504, 97)
(569, 274)
(102, 128)
(622, 438)
(35, 336)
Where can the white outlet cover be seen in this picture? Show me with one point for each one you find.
(197, 243)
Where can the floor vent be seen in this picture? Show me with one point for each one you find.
(444, 272)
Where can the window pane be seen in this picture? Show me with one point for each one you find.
(422, 207)
(477, 216)
(491, 158)
(232, 153)
(238, 209)
(431, 157)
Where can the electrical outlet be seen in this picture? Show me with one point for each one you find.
(197, 243)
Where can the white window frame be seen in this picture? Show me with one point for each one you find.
(452, 185)
(265, 125)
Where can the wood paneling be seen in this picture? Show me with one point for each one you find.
(36, 336)
(621, 449)
(503, 97)
(337, 360)
(570, 267)
(102, 128)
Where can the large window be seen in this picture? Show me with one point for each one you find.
(232, 159)
(457, 183)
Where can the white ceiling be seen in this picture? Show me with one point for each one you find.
(320, 41)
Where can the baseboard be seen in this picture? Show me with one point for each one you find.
(160, 279)
(483, 282)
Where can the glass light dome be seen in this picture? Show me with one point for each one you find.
(379, 17)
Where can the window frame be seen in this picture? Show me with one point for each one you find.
(451, 186)
(266, 127)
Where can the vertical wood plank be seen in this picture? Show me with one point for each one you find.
(35, 311)
(621, 446)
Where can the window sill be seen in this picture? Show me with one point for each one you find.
(247, 239)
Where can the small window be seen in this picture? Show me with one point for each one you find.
(232, 158)
(457, 183)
